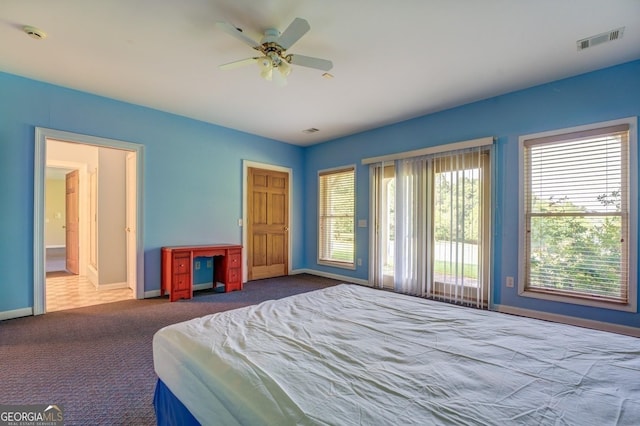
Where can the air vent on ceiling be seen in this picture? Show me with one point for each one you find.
(600, 38)
(311, 130)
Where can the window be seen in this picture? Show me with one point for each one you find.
(336, 233)
(577, 244)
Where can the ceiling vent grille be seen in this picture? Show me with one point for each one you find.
(311, 130)
(600, 38)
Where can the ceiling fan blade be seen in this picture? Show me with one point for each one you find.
(310, 62)
(235, 32)
(238, 64)
(294, 31)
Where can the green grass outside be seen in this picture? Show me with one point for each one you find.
(443, 267)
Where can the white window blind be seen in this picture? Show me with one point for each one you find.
(576, 197)
(336, 233)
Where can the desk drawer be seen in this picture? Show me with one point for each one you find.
(182, 264)
(235, 260)
(235, 275)
(181, 283)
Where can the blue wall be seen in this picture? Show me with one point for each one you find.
(603, 95)
(192, 175)
(186, 159)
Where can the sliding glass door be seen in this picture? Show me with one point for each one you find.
(460, 227)
(431, 226)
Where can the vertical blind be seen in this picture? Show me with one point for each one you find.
(382, 228)
(442, 226)
(460, 226)
(336, 236)
(412, 245)
(576, 214)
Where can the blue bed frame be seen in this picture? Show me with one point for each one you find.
(170, 411)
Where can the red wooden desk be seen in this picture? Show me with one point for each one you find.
(177, 265)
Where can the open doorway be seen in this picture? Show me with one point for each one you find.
(85, 225)
(61, 242)
(109, 256)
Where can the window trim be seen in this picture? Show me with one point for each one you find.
(631, 306)
(332, 263)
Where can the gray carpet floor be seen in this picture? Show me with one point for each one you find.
(97, 362)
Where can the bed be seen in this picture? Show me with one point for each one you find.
(352, 355)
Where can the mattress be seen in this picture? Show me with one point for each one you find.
(352, 355)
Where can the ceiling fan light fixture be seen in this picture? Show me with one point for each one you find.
(279, 78)
(265, 63)
(267, 74)
(266, 68)
(284, 68)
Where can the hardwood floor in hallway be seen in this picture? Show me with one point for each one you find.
(76, 291)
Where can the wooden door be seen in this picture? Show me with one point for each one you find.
(268, 224)
(72, 221)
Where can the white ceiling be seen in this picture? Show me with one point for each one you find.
(393, 60)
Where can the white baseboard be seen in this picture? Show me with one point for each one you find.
(156, 293)
(329, 275)
(25, 312)
(16, 313)
(151, 294)
(112, 286)
(565, 319)
(202, 286)
(92, 275)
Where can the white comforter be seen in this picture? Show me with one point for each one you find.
(351, 355)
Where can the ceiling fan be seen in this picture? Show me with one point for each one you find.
(273, 48)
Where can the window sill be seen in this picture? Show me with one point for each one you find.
(614, 306)
(342, 265)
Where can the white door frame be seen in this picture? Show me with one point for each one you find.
(130, 221)
(39, 171)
